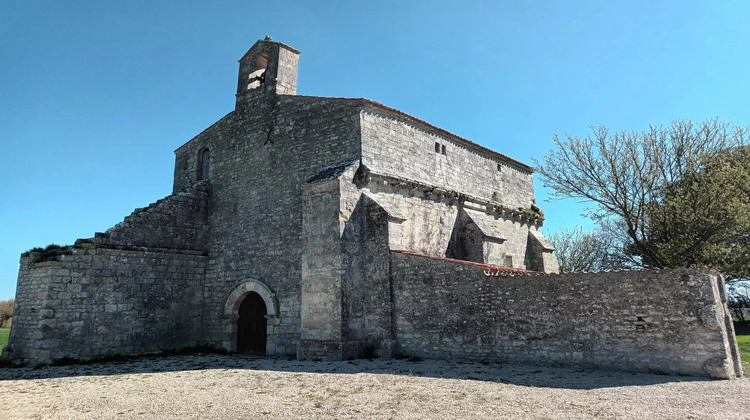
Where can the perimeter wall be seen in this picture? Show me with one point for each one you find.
(671, 321)
(100, 302)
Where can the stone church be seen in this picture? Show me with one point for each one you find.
(331, 228)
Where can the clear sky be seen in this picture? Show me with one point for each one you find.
(96, 95)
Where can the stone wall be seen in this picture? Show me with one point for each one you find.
(322, 261)
(430, 224)
(137, 288)
(177, 221)
(672, 321)
(98, 302)
(261, 155)
(429, 176)
(427, 224)
(345, 268)
(366, 303)
(540, 253)
(399, 145)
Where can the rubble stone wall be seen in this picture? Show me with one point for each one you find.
(393, 146)
(366, 302)
(261, 155)
(177, 221)
(98, 302)
(672, 321)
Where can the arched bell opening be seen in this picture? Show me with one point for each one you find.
(257, 74)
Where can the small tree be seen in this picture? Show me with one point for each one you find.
(579, 251)
(6, 311)
(704, 218)
(738, 298)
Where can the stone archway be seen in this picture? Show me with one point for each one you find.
(231, 313)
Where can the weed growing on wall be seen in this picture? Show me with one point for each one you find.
(51, 252)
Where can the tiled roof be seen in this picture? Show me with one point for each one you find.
(511, 271)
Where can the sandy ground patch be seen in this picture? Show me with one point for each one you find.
(219, 386)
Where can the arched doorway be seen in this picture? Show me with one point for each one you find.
(268, 305)
(251, 325)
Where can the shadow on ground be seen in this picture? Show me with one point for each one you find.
(514, 374)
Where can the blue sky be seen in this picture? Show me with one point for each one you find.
(96, 95)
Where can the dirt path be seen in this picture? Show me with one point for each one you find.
(215, 386)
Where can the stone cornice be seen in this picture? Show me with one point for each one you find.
(433, 192)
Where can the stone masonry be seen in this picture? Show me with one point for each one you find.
(331, 228)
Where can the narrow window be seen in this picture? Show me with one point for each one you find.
(499, 168)
(437, 147)
(443, 151)
(204, 163)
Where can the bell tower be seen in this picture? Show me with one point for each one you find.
(268, 68)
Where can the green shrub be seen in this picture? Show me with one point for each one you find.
(51, 253)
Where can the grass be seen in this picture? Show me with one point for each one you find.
(742, 331)
(4, 333)
(744, 342)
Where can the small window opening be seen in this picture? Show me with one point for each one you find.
(437, 147)
(508, 261)
(443, 151)
(257, 74)
(499, 167)
(204, 163)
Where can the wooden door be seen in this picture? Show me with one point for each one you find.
(251, 325)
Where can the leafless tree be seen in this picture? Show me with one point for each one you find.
(579, 251)
(6, 311)
(624, 173)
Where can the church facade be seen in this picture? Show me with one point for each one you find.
(329, 228)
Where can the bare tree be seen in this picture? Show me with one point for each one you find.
(579, 251)
(6, 311)
(624, 173)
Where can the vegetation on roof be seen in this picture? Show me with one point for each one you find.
(51, 252)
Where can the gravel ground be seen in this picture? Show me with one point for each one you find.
(219, 386)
